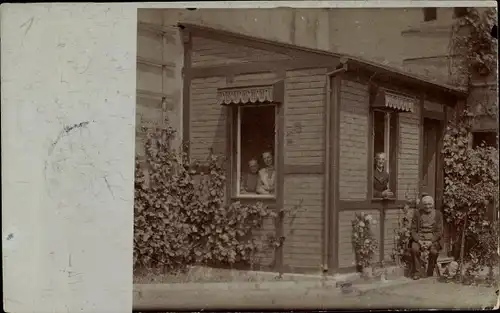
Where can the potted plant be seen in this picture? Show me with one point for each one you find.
(364, 242)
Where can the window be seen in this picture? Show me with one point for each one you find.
(430, 14)
(459, 12)
(255, 150)
(488, 139)
(385, 153)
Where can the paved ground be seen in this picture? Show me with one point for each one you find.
(426, 293)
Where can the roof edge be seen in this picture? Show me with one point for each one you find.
(349, 59)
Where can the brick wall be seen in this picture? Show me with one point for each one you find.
(208, 52)
(304, 233)
(353, 163)
(304, 116)
(346, 256)
(408, 160)
(207, 118)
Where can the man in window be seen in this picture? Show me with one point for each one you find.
(381, 178)
(426, 233)
(267, 175)
(250, 180)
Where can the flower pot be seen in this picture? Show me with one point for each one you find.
(367, 273)
(359, 268)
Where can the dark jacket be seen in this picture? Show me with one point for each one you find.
(438, 227)
(380, 182)
(249, 182)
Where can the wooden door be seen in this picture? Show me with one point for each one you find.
(432, 169)
(431, 154)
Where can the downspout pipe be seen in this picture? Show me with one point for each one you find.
(328, 133)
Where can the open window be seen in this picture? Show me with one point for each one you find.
(488, 139)
(384, 153)
(255, 151)
(385, 109)
(459, 12)
(430, 14)
(254, 111)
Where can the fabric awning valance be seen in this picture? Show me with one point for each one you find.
(393, 101)
(242, 95)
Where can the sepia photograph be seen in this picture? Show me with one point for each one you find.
(250, 156)
(316, 158)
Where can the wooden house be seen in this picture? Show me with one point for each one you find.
(322, 116)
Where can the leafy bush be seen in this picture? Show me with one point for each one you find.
(180, 214)
(403, 233)
(483, 253)
(363, 239)
(470, 193)
(471, 177)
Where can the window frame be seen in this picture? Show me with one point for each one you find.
(236, 155)
(391, 149)
(459, 12)
(430, 14)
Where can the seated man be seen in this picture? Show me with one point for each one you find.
(249, 180)
(426, 232)
(381, 178)
(267, 175)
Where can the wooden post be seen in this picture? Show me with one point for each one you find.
(462, 251)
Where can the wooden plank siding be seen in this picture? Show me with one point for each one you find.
(208, 119)
(304, 117)
(303, 233)
(302, 142)
(346, 258)
(354, 140)
(208, 52)
(392, 217)
(304, 146)
(355, 146)
(409, 155)
(158, 78)
(209, 122)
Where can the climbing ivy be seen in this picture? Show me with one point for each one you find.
(471, 174)
(471, 197)
(180, 215)
(473, 50)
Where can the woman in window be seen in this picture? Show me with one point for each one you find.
(266, 175)
(381, 178)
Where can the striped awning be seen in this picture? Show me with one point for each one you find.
(392, 101)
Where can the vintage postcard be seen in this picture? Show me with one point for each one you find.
(250, 155)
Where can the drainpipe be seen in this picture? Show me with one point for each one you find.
(327, 191)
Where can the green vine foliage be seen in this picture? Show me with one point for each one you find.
(180, 215)
(471, 194)
(472, 48)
